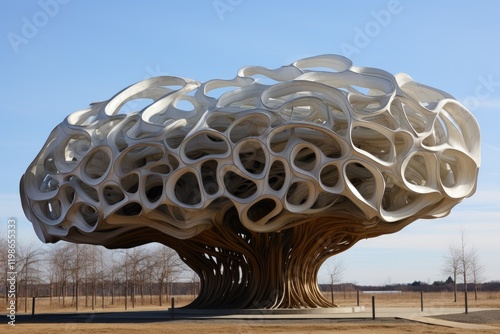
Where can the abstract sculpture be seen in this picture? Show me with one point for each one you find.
(255, 189)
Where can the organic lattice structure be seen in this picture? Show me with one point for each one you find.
(257, 187)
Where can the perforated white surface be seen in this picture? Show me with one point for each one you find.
(317, 137)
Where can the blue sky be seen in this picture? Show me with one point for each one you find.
(60, 55)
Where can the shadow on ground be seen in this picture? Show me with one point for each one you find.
(100, 317)
(478, 317)
(164, 316)
(133, 317)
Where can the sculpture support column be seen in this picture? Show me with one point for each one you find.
(243, 269)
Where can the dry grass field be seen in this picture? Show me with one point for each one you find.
(245, 328)
(412, 299)
(45, 305)
(379, 326)
(404, 299)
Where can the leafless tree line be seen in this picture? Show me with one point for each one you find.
(463, 264)
(70, 273)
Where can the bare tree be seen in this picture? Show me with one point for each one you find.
(470, 267)
(96, 272)
(452, 267)
(60, 259)
(335, 268)
(195, 284)
(29, 257)
(143, 274)
(126, 274)
(78, 266)
(476, 270)
(4, 268)
(133, 261)
(52, 278)
(167, 267)
(463, 260)
(114, 269)
(465, 263)
(91, 267)
(104, 264)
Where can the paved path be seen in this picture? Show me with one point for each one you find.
(445, 323)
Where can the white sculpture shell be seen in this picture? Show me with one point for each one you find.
(325, 138)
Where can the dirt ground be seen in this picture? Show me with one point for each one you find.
(245, 327)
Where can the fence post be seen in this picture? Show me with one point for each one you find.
(33, 307)
(373, 307)
(422, 301)
(466, 302)
(357, 297)
(172, 308)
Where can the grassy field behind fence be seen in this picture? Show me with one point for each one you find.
(348, 298)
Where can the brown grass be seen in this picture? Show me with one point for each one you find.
(245, 328)
(412, 299)
(405, 299)
(46, 305)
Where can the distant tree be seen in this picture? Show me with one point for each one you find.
(29, 257)
(464, 257)
(167, 267)
(469, 267)
(476, 270)
(335, 268)
(93, 258)
(60, 259)
(449, 280)
(452, 267)
(114, 270)
(195, 283)
(4, 268)
(103, 264)
(133, 262)
(79, 264)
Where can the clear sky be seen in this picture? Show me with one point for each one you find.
(60, 55)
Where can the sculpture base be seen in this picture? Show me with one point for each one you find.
(180, 312)
(242, 269)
